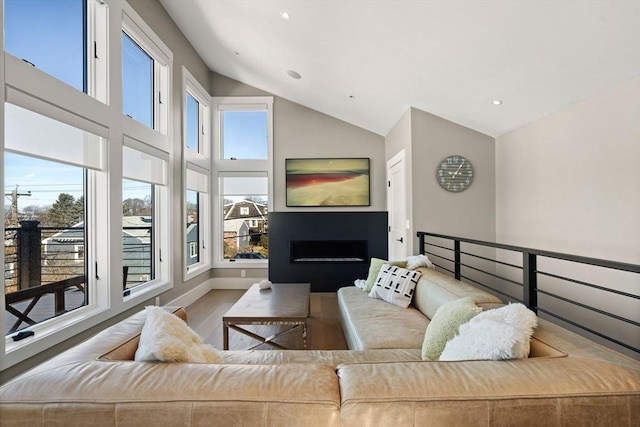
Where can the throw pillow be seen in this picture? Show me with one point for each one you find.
(444, 325)
(167, 338)
(502, 333)
(374, 268)
(395, 285)
(415, 261)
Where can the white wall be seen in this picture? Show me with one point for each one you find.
(571, 181)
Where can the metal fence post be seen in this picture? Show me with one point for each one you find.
(29, 254)
(530, 280)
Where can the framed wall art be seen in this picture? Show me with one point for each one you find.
(327, 182)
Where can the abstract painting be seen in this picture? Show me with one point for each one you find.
(327, 182)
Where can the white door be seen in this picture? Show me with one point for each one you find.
(396, 206)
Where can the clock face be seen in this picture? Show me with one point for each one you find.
(455, 174)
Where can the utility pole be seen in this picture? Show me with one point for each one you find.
(13, 198)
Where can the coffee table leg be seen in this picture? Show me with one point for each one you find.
(225, 335)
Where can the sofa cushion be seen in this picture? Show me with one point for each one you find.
(435, 289)
(499, 334)
(395, 285)
(373, 324)
(167, 338)
(444, 325)
(374, 268)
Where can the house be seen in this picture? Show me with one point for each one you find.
(543, 98)
(254, 214)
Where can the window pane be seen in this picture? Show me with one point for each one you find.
(193, 234)
(192, 124)
(244, 134)
(137, 82)
(137, 233)
(50, 35)
(45, 239)
(245, 219)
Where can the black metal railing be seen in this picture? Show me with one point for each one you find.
(559, 286)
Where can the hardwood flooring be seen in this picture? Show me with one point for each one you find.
(325, 332)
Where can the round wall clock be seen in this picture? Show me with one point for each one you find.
(454, 174)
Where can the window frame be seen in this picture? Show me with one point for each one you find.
(98, 112)
(198, 163)
(239, 167)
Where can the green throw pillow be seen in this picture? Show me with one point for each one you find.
(444, 325)
(374, 269)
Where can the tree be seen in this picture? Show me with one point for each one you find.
(137, 206)
(66, 211)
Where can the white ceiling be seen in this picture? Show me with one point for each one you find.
(451, 58)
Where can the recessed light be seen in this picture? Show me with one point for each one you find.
(496, 102)
(285, 15)
(294, 74)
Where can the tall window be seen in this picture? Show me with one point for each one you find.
(83, 234)
(243, 160)
(46, 230)
(197, 178)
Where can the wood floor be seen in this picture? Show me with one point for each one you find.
(325, 332)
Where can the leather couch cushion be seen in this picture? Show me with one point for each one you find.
(435, 289)
(378, 324)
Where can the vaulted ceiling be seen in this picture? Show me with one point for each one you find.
(367, 61)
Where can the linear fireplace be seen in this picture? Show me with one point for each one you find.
(327, 249)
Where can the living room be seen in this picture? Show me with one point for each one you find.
(567, 181)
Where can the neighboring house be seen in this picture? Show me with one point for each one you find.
(192, 244)
(236, 234)
(65, 249)
(253, 213)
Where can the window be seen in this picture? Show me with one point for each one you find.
(193, 211)
(47, 227)
(244, 134)
(67, 158)
(65, 39)
(145, 75)
(196, 229)
(197, 166)
(137, 82)
(137, 233)
(50, 36)
(242, 142)
(192, 124)
(143, 185)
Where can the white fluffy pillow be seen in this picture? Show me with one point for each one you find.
(415, 261)
(502, 333)
(167, 338)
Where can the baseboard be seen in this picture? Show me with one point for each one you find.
(233, 282)
(193, 295)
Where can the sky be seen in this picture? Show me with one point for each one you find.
(49, 34)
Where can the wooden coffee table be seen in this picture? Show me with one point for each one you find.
(284, 304)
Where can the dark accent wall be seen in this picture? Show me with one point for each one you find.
(285, 227)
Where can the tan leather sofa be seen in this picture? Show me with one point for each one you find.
(568, 380)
